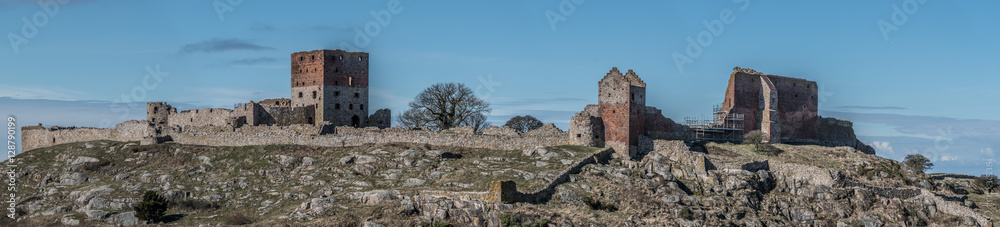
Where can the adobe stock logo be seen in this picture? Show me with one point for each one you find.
(713, 29)
(899, 17)
(380, 20)
(566, 8)
(223, 7)
(29, 28)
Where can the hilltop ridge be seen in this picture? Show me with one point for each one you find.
(406, 184)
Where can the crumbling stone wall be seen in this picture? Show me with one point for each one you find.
(381, 118)
(500, 131)
(837, 132)
(301, 134)
(586, 130)
(33, 137)
(660, 127)
(793, 100)
(500, 192)
(158, 112)
(284, 115)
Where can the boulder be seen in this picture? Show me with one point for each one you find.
(413, 182)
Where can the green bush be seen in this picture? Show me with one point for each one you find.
(918, 162)
(988, 182)
(506, 220)
(152, 207)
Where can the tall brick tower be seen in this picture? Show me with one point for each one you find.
(622, 106)
(335, 81)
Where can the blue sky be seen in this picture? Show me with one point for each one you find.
(926, 86)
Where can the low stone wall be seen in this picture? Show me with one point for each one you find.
(545, 194)
(33, 137)
(506, 191)
(313, 135)
(500, 192)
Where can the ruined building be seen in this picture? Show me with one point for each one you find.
(621, 118)
(784, 108)
(328, 87)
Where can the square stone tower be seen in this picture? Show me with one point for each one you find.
(622, 106)
(335, 82)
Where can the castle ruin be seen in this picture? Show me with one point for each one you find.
(621, 117)
(329, 101)
(783, 108)
(328, 87)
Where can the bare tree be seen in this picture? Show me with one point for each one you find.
(478, 122)
(445, 105)
(524, 123)
(413, 118)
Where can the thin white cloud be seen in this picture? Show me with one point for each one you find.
(883, 147)
(30, 92)
(948, 157)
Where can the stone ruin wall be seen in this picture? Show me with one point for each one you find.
(33, 137)
(311, 135)
(796, 104)
(837, 132)
(663, 128)
(797, 108)
(283, 115)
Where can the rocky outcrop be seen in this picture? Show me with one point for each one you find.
(837, 132)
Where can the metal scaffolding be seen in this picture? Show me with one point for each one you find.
(722, 126)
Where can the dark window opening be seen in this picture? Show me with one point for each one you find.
(597, 137)
(309, 120)
(577, 135)
(314, 94)
(357, 95)
(350, 106)
(154, 120)
(192, 119)
(336, 82)
(155, 109)
(314, 57)
(302, 59)
(336, 93)
(53, 140)
(300, 94)
(355, 121)
(336, 106)
(362, 107)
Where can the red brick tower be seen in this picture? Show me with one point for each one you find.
(622, 106)
(335, 81)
